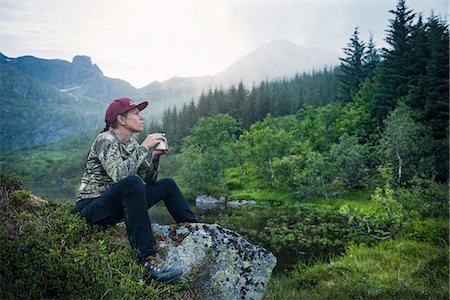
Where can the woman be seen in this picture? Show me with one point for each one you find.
(119, 184)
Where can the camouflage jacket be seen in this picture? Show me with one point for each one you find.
(110, 161)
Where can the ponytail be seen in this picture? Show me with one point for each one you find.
(106, 127)
(113, 123)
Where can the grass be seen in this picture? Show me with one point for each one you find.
(246, 185)
(394, 269)
(413, 266)
(357, 199)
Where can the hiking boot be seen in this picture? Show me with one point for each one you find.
(158, 272)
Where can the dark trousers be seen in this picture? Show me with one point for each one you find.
(129, 200)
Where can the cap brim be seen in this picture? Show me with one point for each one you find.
(142, 105)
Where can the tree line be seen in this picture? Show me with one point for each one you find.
(278, 98)
(382, 111)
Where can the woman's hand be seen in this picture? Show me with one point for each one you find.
(158, 153)
(153, 139)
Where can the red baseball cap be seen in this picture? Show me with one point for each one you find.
(120, 106)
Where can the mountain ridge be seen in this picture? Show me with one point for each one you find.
(76, 91)
(286, 59)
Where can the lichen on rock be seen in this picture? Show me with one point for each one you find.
(236, 269)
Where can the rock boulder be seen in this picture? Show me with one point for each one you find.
(220, 263)
(205, 202)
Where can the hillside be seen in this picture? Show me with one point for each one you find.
(33, 112)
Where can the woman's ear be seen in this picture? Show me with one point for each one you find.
(121, 120)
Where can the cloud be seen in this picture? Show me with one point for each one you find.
(142, 41)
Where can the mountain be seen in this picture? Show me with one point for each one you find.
(44, 100)
(33, 112)
(80, 78)
(276, 59)
(173, 92)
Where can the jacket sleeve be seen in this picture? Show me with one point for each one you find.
(116, 167)
(149, 171)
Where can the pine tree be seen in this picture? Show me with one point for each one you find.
(351, 68)
(393, 75)
(418, 68)
(251, 113)
(436, 85)
(205, 104)
(371, 58)
(280, 97)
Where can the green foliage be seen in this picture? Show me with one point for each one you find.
(307, 172)
(279, 98)
(47, 252)
(355, 117)
(400, 269)
(424, 198)
(19, 196)
(386, 214)
(207, 152)
(9, 183)
(213, 132)
(243, 182)
(55, 162)
(297, 145)
(349, 159)
(382, 219)
(352, 69)
(318, 125)
(394, 73)
(262, 144)
(405, 145)
(432, 231)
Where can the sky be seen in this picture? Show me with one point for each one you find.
(142, 41)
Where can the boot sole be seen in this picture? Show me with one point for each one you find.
(168, 280)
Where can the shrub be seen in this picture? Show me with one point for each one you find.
(46, 252)
(382, 219)
(307, 173)
(432, 231)
(9, 183)
(424, 198)
(19, 196)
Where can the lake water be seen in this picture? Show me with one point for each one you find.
(54, 192)
(67, 192)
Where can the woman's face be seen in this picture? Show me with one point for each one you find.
(134, 120)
